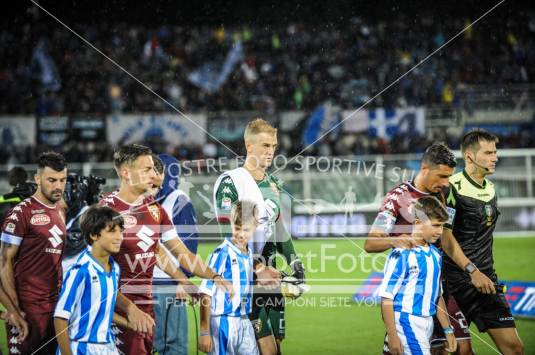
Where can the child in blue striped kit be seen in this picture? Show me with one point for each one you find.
(85, 308)
(225, 325)
(411, 290)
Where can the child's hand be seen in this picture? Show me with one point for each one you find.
(451, 343)
(205, 343)
(394, 345)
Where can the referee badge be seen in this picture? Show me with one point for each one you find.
(488, 211)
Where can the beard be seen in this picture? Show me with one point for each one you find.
(52, 196)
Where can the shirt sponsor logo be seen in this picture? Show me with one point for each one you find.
(40, 219)
(129, 221)
(150, 254)
(505, 319)
(10, 228)
(56, 239)
(145, 234)
(154, 212)
(38, 211)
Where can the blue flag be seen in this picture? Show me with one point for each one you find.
(211, 76)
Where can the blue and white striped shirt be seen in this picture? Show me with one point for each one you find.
(412, 280)
(87, 299)
(234, 266)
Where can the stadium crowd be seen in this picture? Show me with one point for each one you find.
(286, 66)
(46, 70)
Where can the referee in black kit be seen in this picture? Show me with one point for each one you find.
(469, 270)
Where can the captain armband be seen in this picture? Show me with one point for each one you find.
(384, 222)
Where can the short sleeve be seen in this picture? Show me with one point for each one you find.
(15, 225)
(225, 195)
(394, 273)
(71, 291)
(389, 212)
(217, 263)
(167, 230)
(451, 206)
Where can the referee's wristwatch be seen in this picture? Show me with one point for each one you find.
(470, 268)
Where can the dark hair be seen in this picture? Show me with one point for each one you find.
(17, 175)
(244, 212)
(439, 154)
(129, 153)
(52, 160)
(471, 139)
(429, 207)
(96, 219)
(158, 164)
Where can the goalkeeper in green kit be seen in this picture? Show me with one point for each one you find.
(252, 182)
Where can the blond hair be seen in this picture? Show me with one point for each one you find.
(244, 213)
(257, 126)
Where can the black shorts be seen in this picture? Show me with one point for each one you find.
(457, 320)
(486, 311)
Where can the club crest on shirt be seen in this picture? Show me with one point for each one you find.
(488, 211)
(257, 325)
(154, 212)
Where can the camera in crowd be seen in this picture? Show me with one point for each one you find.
(81, 190)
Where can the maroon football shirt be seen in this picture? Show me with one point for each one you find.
(145, 224)
(395, 216)
(39, 231)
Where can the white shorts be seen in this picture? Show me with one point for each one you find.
(92, 348)
(414, 333)
(232, 335)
